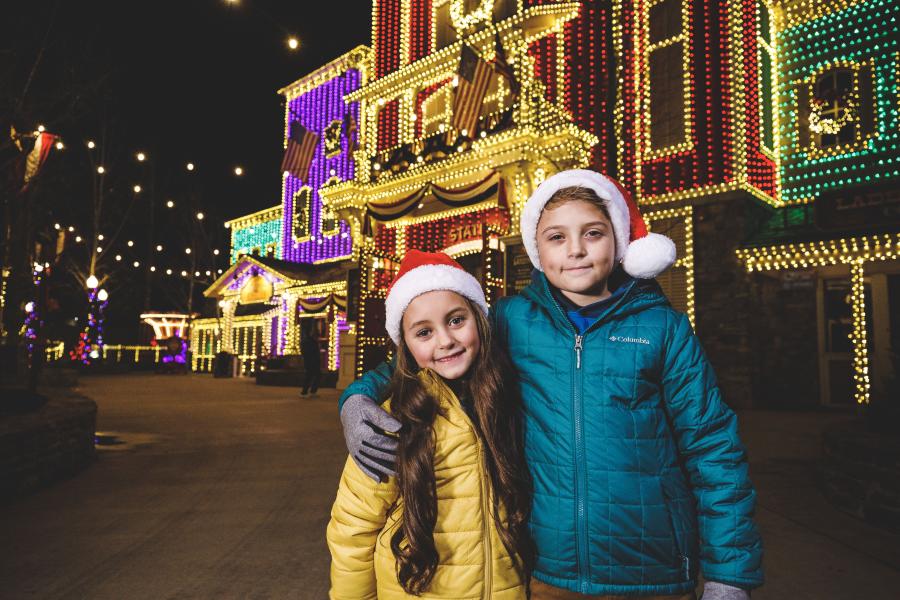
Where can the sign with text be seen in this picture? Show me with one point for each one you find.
(858, 207)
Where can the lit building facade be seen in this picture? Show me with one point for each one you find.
(289, 262)
(763, 148)
(826, 260)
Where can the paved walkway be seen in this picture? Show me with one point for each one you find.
(221, 489)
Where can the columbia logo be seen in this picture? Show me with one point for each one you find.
(628, 340)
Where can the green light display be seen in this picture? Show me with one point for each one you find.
(838, 99)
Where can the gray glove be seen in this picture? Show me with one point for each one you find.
(713, 590)
(365, 426)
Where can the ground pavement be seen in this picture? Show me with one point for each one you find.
(221, 489)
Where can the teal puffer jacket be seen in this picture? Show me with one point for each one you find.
(640, 478)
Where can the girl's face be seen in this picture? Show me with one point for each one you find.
(440, 331)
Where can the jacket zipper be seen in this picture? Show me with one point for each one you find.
(485, 504)
(581, 537)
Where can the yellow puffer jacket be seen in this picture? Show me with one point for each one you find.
(472, 561)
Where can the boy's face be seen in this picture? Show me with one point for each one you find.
(577, 250)
(440, 331)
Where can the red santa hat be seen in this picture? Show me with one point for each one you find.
(422, 272)
(643, 254)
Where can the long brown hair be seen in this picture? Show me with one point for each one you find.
(491, 385)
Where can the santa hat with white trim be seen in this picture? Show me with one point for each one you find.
(422, 272)
(643, 255)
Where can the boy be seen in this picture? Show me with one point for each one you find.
(640, 479)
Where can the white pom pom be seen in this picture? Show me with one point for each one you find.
(649, 256)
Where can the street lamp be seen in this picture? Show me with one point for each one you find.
(141, 157)
(170, 204)
(102, 295)
(137, 189)
(238, 171)
(190, 166)
(92, 282)
(293, 43)
(200, 216)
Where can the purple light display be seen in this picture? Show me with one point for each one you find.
(316, 110)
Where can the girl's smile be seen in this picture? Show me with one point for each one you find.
(440, 331)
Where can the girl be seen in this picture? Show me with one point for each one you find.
(453, 524)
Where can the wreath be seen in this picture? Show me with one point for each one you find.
(831, 125)
(463, 20)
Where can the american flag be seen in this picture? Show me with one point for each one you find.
(36, 156)
(299, 152)
(474, 78)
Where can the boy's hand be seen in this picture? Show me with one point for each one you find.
(365, 431)
(714, 590)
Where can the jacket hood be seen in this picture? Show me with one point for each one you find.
(639, 295)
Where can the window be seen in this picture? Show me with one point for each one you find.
(832, 117)
(332, 135)
(503, 9)
(766, 80)
(677, 282)
(836, 109)
(665, 58)
(436, 110)
(301, 213)
(498, 96)
(329, 222)
(444, 34)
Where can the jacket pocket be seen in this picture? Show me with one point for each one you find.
(681, 559)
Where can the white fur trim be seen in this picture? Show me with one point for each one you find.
(649, 256)
(421, 280)
(601, 185)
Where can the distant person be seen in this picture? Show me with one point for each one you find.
(309, 348)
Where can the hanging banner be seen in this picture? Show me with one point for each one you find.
(315, 306)
(490, 186)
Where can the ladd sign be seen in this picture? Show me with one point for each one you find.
(464, 233)
(857, 207)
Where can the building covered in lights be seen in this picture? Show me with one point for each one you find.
(289, 263)
(763, 148)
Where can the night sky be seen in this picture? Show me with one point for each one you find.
(188, 80)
